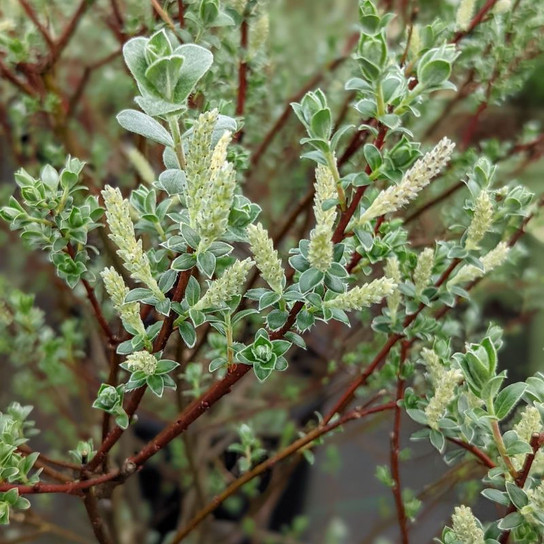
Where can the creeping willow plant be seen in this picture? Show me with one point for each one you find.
(202, 292)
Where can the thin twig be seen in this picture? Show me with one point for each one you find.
(476, 20)
(97, 523)
(282, 119)
(66, 35)
(482, 456)
(29, 10)
(163, 15)
(242, 69)
(537, 440)
(395, 450)
(269, 463)
(137, 395)
(94, 303)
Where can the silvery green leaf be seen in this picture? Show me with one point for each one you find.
(508, 398)
(276, 319)
(164, 74)
(184, 262)
(173, 181)
(187, 333)
(206, 263)
(197, 61)
(310, 279)
(192, 292)
(140, 123)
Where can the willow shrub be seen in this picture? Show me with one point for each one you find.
(191, 288)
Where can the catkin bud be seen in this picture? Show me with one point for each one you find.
(217, 195)
(502, 6)
(238, 5)
(424, 270)
(321, 247)
(266, 257)
(530, 422)
(481, 221)
(141, 164)
(433, 365)
(418, 177)
(363, 295)
(392, 271)
(415, 41)
(129, 312)
(197, 159)
(122, 233)
(258, 34)
(443, 394)
(464, 14)
(492, 260)
(141, 361)
(229, 284)
(466, 527)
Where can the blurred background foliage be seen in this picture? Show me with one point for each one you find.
(294, 45)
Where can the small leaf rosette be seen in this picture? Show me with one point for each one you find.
(265, 355)
(146, 369)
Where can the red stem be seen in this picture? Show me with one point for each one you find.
(181, 14)
(536, 443)
(476, 20)
(94, 302)
(137, 395)
(242, 69)
(482, 456)
(29, 10)
(346, 217)
(282, 119)
(395, 449)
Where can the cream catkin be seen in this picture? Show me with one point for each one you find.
(492, 260)
(321, 246)
(217, 195)
(229, 284)
(363, 295)
(266, 257)
(392, 271)
(122, 233)
(464, 14)
(481, 221)
(198, 159)
(141, 361)
(423, 270)
(129, 312)
(466, 527)
(418, 177)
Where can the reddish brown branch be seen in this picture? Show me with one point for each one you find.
(70, 488)
(476, 20)
(20, 84)
(537, 440)
(381, 356)
(395, 450)
(269, 463)
(94, 303)
(137, 395)
(97, 523)
(242, 69)
(282, 119)
(67, 34)
(78, 93)
(29, 10)
(482, 456)
(181, 14)
(346, 217)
